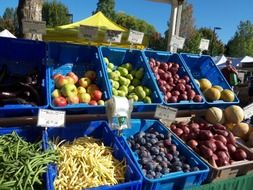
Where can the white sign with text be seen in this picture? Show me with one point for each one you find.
(135, 37)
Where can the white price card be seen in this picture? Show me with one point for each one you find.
(177, 42)
(204, 44)
(88, 32)
(165, 113)
(135, 37)
(113, 36)
(51, 118)
(248, 111)
(34, 27)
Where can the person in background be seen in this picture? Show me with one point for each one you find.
(230, 73)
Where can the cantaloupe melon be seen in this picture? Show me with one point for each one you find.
(241, 130)
(227, 95)
(218, 87)
(212, 94)
(204, 84)
(234, 114)
(215, 115)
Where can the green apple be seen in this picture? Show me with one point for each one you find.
(115, 84)
(133, 96)
(128, 66)
(140, 92)
(110, 66)
(147, 90)
(81, 90)
(129, 76)
(84, 82)
(121, 93)
(139, 73)
(124, 88)
(56, 93)
(128, 82)
(114, 92)
(118, 73)
(133, 72)
(84, 98)
(101, 102)
(122, 80)
(136, 82)
(147, 99)
(123, 71)
(131, 88)
(69, 90)
(106, 60)
(114, 76)
(109, 70)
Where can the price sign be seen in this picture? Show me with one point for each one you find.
(165, 113)
(113, 36)
(51, 118)
(204, 44)
(135, 37)
(248, 111)
(34, 27)
(88, 32)
(177, 42)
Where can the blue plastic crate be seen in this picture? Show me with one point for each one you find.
(64, 58)
(99, 130)
(22, 57)
(202, 66)
(163, 56)
(171, 181)
(119, 56)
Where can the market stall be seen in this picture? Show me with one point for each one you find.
(118, 118)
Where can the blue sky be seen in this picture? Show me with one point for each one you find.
(207, 13)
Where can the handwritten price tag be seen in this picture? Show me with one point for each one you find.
(177, 42)
(165, 113)
(88, 32)
(51, 118)
(135, 37)
(113, 36)
(248, 111)
(204, 44)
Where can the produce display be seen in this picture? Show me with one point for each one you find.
(126, 82)
(157, 155)
(86, 163)
(214, 92)
(72, 90)
(211, 141)
(20, 89)
(22, 163)
(175, 88)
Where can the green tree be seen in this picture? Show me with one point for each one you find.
(216, 46)
(106, 7)
(55, 13)
(9, 20)
(242, 42)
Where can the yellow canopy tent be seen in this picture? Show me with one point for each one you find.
(69, 32)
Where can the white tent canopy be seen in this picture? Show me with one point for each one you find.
(220, 59)
(247, 59)
(6, 33)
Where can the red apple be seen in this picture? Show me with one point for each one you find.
(60, 81)
(96, 95)
(91, 88)
(73, 76)
(73, 100)
(60, 101)
(197, 98)
(93, 103)
(55, 76)
(91, 75)
(164, 66)
(70, 80)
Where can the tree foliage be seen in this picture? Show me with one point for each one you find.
(242, 42)
(106, 7)
(9, 20)
(55, 13)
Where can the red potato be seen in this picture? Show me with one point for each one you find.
(182, 81)
(173, 99)
(220, 146)
(219, 126)
(175, 93)
(186, 78)
(173, 127)
(160, 71)
(205, 135)
(191, 94)
(223, 155)
(231, 148)
(188, 87)
(164, 66)
(178, 131)
(206, 152)
(168, 95)
(239, 155)
(180, 87)
(175, 65)
(210, 144)
(197, 98)
(185, 129)
(221, 132)
(194, 126)
(169, 65)
(183, 97)
(185, 137)
(231, 138)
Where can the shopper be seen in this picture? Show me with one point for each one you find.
(230, 73)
